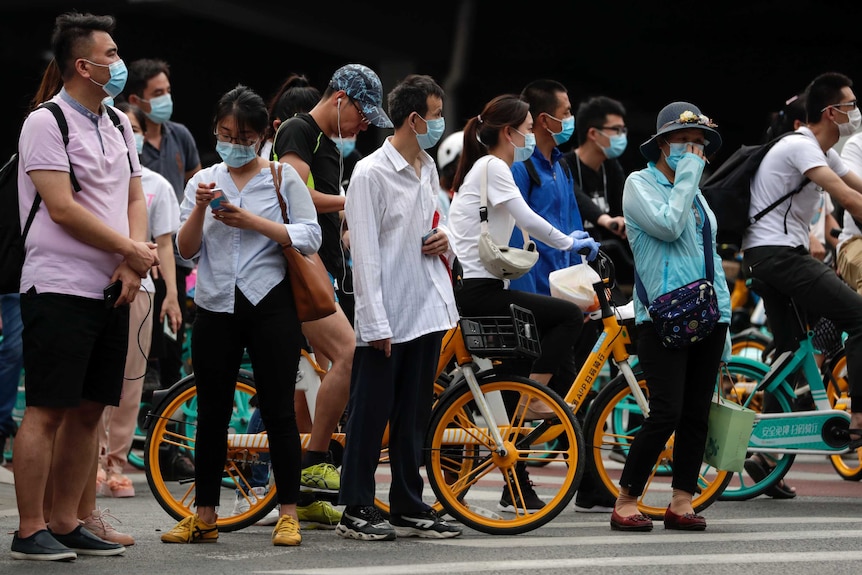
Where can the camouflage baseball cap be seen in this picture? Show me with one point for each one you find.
(362, 84)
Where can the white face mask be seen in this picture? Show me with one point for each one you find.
(854, 120)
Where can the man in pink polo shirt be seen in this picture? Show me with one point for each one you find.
(82, 239)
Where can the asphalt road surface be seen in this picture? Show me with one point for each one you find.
(817, 532)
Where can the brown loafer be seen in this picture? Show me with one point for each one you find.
(686, 522)
(636, 522)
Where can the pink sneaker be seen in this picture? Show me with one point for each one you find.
(119, 485)
(101, 478)
(98, 525)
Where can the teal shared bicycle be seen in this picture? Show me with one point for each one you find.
(819, 424)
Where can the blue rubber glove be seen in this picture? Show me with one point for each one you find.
(584, 245)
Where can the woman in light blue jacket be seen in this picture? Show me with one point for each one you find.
(665, 215)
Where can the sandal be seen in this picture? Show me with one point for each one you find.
(758, 471)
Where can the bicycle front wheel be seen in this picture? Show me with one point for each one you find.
(487, 488)
(847, 465)
(169, 455)
(612, 421)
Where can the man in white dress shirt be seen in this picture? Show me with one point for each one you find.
(404, 305)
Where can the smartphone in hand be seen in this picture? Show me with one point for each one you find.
(112, 293)
(428, 235)
(218, 199)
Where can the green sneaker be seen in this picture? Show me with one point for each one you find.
(318, 515)
(323, 478)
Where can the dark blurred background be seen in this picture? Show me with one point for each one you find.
(738, 62)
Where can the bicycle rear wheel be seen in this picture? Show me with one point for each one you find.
(468, 473)
(612, 421)
(171, 437)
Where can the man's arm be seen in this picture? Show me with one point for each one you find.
(167, 268)
(846, 191)
(592, 213)
(55, 187)
(323, 203)
(192, 172)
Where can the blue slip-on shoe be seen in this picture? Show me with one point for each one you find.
(41, 546)
(85, 543)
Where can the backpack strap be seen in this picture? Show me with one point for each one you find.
(534, 177)
(777, 202)
(535, 180)
(64, 131)
(119, 125)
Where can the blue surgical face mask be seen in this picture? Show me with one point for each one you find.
(345, 145)
(107, 101)
(677, 151)
(139, 142)
(161, 108)
(565, 134)
(523, 153)
(235, 155)
(435, 131)
(617, 146)
(119, 74)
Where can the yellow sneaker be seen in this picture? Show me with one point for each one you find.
(323, 477)
(286, 532)
(192, 530)
(318, 515)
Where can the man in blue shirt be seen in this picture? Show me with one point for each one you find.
(548, 186)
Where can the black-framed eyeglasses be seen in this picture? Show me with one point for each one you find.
(228, 139)
(618, 130)
(362, 116)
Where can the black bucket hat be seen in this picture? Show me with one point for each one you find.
(680, 116)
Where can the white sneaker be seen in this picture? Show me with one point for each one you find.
(243, 504)
(270, 518)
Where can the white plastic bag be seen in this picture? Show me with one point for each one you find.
(575, 284)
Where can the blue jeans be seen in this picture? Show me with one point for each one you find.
(11, 359)
(259, 473)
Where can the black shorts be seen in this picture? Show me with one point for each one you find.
(74, 349)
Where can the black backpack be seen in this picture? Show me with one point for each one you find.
(728, 192)
(11, 237)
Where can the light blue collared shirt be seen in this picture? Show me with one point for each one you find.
(245, 258)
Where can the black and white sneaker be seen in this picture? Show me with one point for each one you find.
(424, 524)
(365, 523)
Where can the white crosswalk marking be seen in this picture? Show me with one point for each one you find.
(822, 559)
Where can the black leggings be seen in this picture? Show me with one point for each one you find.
(272, 335)
(559, 321)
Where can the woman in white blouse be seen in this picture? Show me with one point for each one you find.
(244, 301)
